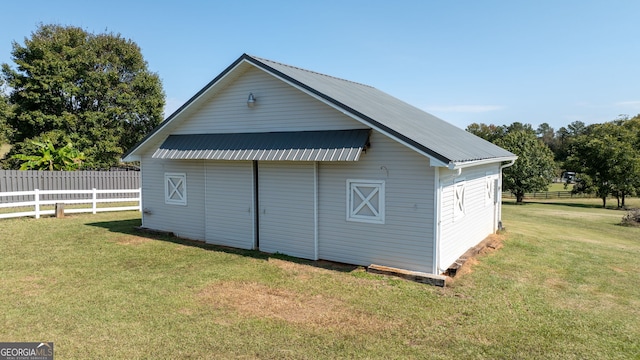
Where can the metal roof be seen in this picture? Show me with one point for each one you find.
(443, 142)
(420, 129)
(338, 145)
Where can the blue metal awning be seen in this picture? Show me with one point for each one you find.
(330, 145)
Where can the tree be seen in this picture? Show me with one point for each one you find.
(577, 128)
(518, 126)
(562, 140)
(488, 132)
(534, 169)
(5, 129)
(545, 130)
(49, 158)
(607, 160)
(626, 157)
(95, 89)
(547, 135)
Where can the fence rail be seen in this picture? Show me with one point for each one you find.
(548, 195)
(93, 197)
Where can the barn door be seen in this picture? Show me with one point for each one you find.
(229, 205)
(286, 198)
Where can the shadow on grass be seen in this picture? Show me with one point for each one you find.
(132, 227)
(557, 203)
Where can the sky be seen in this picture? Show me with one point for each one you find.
(465, 61)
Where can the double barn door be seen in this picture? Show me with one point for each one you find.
(280, 219)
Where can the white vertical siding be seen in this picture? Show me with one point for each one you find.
(185, 221)
(286, 202)
(405, 240)
(287, 214)
(229, 203)
(459, 234)
(279, 107)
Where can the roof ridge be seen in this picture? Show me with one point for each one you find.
(311, 71)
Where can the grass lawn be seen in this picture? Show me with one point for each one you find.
(559, 187)
(565, 285)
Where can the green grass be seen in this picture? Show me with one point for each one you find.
(565, 285)
(559, 187)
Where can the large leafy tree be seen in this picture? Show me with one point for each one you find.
(534, 169)
(607, 159)
(93, 89)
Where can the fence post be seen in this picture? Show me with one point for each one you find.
(36, 199)
(140, 199)
(93, 197)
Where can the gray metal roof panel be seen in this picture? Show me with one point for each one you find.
(429, 133)
(335, 145)
(419, 129)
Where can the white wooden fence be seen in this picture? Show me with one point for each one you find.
(92, 197)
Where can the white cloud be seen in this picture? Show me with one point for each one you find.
(465, 108)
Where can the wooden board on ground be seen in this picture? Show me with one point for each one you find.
(431, 279)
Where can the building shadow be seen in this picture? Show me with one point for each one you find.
(563, 203)
(132, 227)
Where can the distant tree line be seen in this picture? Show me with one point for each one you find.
(605, 157)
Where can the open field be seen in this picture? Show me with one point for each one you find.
(564, 285)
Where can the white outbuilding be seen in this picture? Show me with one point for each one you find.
(272, 157)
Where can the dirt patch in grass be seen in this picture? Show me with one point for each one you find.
(304, 271)
(307, 271)
(618, 269)
(556, 283)
(294, 267)
(318, 266)
(317, 311)
(29, 286)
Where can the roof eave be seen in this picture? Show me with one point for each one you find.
(465, 164)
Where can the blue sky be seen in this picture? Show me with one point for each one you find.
(463, 61)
